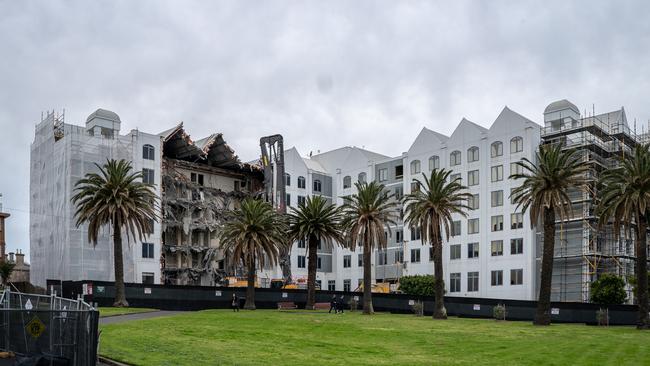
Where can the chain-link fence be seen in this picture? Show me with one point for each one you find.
(50, 329)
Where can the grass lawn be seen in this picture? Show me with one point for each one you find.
(269, 337)
(122, 311)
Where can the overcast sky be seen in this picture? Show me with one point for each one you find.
(323, 74)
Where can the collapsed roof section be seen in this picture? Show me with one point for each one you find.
(212, 150)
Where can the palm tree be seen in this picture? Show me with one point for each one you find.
(544, 194)
(253, 234)
(366, 216)
(6, 268)
(625, 199)
(317, 221)
(431, 208)
(118, 198)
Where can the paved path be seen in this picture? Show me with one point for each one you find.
(137, 316)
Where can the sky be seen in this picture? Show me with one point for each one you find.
(324, 74)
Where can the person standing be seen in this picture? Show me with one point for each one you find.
(235, 303)
(340, 304)
(333, 305)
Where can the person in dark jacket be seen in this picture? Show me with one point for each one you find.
(333, 304)
(234, 303)
(340, 304)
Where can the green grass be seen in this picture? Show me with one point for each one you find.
(269, 337)
(122, 311)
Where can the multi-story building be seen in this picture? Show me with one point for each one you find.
(491, 253)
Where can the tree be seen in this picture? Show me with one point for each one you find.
(609, 289)
(625, 201)
(115, 196)
(544, 194)
(6, 269)
(430, 208)
(317, 221)
(251, 236)
(420, 285)
(366, 216)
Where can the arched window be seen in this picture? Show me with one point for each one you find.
(496, 149)
(148, 152)
(317, 186)
(301, 182)
(415, 167)
(454, 158)
(472, 154)
(287, 179)
(434, 162)
(347, 182)
(516, 144)
(362, 177)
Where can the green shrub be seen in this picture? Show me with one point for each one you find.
(418, 308)
(499, 312)
(421, 285)
(608, 289)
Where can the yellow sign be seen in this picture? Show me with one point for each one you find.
(35, 327)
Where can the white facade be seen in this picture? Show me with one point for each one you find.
(61, 154)
(406, 254)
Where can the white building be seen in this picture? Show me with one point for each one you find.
(492, 253)
(60, 155)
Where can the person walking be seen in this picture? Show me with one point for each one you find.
(235, 303)
(340, 304)
(333, 305)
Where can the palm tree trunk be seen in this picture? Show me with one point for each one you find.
(642, 273)
(250, 289)
(311, 272)
(367, 276)
(439, 284)
(118, 259)
(543, 316)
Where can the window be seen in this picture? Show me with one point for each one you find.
(431, 254)
(472, 281)
(454, 158)
(496, 149)
(496, 198)
(362, 177)
(497, 223)
(512, 199)
(301, 200)
(399, 192)
(415, 255)
(147, 278)
(399, 171)
(360, 260)
(455, 228)
(301, 243)
(415, 233)
(288, 201)
(516, 220)
(516, 145)
(150, 227)
(197, 178)
(347, 182)
(497, 173)
(472, 250)
(331, 285)
(347, 261)
(472, 226)
(147, 250)
(319, 263)
(415, 167)
(516, 277)
(383, 175)
(473, 202)
(148, 176)
(516, 246)
(318, 284)
(347, 285)
(399, 235)
(454, 251)
(472, 178)
(497, 248)
(317, 186)
(434, 162)
(287, 179)
(497, 278)
(472, 154)
(399, 256)
(301, 261)
(456, 177)
(516, 169)
(415, 186)
(454, 282)
(148, 152)
(382, 258)
(301, 182)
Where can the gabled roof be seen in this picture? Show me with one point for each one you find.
(425, 139)
(507, 118)
(466, 126)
